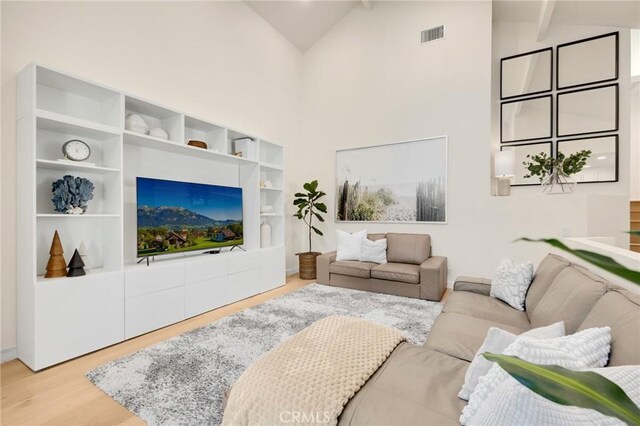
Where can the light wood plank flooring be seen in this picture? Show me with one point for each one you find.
(61, 395)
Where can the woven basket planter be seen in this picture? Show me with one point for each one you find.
(307, 264)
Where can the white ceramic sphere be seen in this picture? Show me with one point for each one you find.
(136, 123)
(158, 132)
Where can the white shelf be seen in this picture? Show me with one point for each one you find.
(271, 166)
(61, 165)
(64, 123)
(270, 189)
(270, 214)
(62, 215)
(184, 149)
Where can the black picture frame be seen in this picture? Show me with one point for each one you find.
(617, 111)
(616, 34)
(550, 135)
(617, 159)
(549, 143)
(550, 49)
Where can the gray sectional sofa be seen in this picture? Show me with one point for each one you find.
(419, 385)
(411, 270)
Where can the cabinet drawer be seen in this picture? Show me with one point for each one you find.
(243, 261)
(143, 279)
(206, 267)
(244, 284)
(205, 295)
(151, 311)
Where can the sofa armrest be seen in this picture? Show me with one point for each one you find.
(433, 278)
(473, 285)
(322, 265)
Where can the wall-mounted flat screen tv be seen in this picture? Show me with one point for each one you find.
(175, 217)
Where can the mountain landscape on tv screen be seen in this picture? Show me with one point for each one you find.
(175, 217)
(172, 229)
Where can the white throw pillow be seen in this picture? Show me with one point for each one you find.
(511, 282)
(374, 251)
(514, 404)
(349, 245)
(580, 351)
(496, 342)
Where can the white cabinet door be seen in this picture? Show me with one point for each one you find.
(244, 284)
(74, 316)
(142, 279)
(154, 310)
(272, 268)
(206, 295)
(205, 267)
(243, 261)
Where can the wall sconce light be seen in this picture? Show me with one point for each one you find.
(505, 169)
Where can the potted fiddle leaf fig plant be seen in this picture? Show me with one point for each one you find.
(555, 173)
(309, 209)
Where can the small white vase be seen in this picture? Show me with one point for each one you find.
(136, 123)
(265, 235)
(159, 132)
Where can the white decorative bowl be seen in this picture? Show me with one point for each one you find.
(158, 132)
(136, 123)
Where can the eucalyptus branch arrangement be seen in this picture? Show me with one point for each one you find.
(310, 207)
(542, 164)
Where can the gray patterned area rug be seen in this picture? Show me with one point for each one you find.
(182, 381)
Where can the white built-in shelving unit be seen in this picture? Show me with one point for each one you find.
(62, 318)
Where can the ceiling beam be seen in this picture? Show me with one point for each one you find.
(366, 4)
(544, 18)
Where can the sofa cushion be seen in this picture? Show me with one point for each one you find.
(461, 336)
(352, 268)
(547, 271)
(376, 237)
(485, 307)
(408, 248)
(402, 272)
(569, 298)
(415, 386)
(620, 310)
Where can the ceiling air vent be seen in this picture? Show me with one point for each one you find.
(432, 34)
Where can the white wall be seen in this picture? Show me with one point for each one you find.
(370, 82)
(216, 60)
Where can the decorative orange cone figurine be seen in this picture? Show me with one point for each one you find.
(56, 266)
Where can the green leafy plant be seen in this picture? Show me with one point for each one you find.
(310, 207)
(576, 388)
(542, 164)
(584, 389)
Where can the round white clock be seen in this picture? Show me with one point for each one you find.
(76, 150)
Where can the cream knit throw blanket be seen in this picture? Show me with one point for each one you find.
(309, 378)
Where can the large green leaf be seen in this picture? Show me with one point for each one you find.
(316, 230)
(602, 261)
(300, 195)
(584, 389)
(320, 218)
(321, 207)
(311, 186)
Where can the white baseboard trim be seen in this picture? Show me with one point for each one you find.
(8, 354)
(450, 284)
(292, 271)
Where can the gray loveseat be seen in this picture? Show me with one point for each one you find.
(419, 385)
(411, 271)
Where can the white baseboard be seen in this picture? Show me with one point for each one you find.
(292, 271)
(8, 354)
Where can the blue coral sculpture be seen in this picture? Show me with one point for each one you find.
(71, 194)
